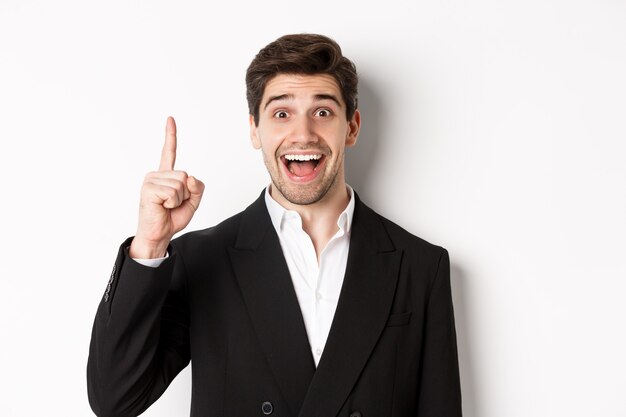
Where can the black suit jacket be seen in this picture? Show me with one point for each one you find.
(224, 300)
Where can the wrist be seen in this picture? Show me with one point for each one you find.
(145, 249)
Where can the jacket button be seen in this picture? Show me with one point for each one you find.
(355, 414)
(267, 408)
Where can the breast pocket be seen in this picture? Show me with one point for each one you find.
(400, 319)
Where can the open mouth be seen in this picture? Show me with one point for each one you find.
(303, 166)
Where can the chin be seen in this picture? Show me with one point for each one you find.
(298, 194)
(304, 194)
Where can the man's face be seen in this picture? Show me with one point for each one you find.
(303, 133)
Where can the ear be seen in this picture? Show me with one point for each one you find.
(354, 127)
(254, 134)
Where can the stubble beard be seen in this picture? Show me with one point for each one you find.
(304, 194)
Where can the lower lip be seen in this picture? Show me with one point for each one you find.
(305, 178)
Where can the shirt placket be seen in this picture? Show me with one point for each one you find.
(321, 314)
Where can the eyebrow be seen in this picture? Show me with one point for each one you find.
(317, 97)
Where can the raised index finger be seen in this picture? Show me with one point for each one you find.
(168, 155)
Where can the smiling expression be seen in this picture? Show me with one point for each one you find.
(302, 133)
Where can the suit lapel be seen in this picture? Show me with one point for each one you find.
(364, 305)
(268, 292)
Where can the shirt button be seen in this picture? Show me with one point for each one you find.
(318, 296)
(318, 352)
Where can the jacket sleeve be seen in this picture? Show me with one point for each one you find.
(140, 336)
(439, 389)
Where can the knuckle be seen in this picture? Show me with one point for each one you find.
(147, 188)
(171, 192)
(181, 175)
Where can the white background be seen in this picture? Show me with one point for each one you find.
(493, 128)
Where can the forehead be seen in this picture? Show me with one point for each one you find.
(301, 86)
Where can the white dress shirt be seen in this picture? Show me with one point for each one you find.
(317, 285)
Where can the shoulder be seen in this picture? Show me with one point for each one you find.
(402, 239)
(222, 234)
(407, 240)
(225, 234)
(422, 261)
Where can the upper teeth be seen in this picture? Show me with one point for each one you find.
(302, 157)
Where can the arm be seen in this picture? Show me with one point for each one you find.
(439, 389)
(140, 339)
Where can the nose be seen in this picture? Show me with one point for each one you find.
(303, 131)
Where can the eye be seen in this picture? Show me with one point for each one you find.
(323, 112)
(281, 114)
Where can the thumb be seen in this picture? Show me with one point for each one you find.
(196, 188)
(181, 215)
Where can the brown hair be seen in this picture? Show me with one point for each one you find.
(301, 54)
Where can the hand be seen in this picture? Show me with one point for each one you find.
(169, 200)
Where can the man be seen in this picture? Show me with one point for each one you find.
(305, 304)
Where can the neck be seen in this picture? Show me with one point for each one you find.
(319, 220)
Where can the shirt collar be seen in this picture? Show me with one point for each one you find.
(278, 213)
